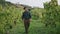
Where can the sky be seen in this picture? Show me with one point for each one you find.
(33, 3)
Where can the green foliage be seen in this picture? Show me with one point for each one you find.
(2, 1)
(10, 19)
(52, 12)
(51, 16)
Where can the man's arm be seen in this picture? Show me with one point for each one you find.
(30, 16)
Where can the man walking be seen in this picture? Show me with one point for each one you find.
(26, 18)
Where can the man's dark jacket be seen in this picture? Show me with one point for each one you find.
(26, 15)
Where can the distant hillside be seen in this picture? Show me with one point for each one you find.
(5, 3)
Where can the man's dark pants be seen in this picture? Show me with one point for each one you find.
(26, 24)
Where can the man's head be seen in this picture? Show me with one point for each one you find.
(26, 9)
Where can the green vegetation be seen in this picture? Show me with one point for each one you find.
(44, 21)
